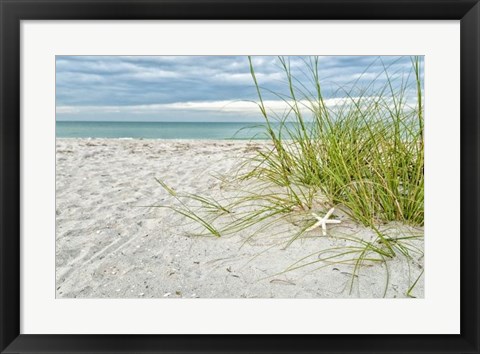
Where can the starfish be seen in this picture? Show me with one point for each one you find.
(323, 221)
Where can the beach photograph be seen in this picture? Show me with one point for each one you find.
(190, 177)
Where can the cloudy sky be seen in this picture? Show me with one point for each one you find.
(194, 88)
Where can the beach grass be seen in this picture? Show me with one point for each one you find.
(364, 155)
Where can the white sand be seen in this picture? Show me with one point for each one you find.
(108, 245)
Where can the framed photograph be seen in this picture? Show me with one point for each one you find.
(237, 176)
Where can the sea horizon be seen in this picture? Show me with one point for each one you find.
(162, 130)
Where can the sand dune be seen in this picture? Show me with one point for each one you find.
(110, 244)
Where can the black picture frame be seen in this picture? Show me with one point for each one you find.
(14, 11)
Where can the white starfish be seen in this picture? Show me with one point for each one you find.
(323, 221)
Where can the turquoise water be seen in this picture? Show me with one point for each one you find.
(160, 130)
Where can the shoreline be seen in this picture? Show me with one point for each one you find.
(162, 139)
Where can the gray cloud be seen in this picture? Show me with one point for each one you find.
(110, 81)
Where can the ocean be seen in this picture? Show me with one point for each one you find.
(161, 130)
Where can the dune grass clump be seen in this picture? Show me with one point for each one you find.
(362, 154)
(365, 154)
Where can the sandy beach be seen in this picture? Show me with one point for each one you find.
(110, 242)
